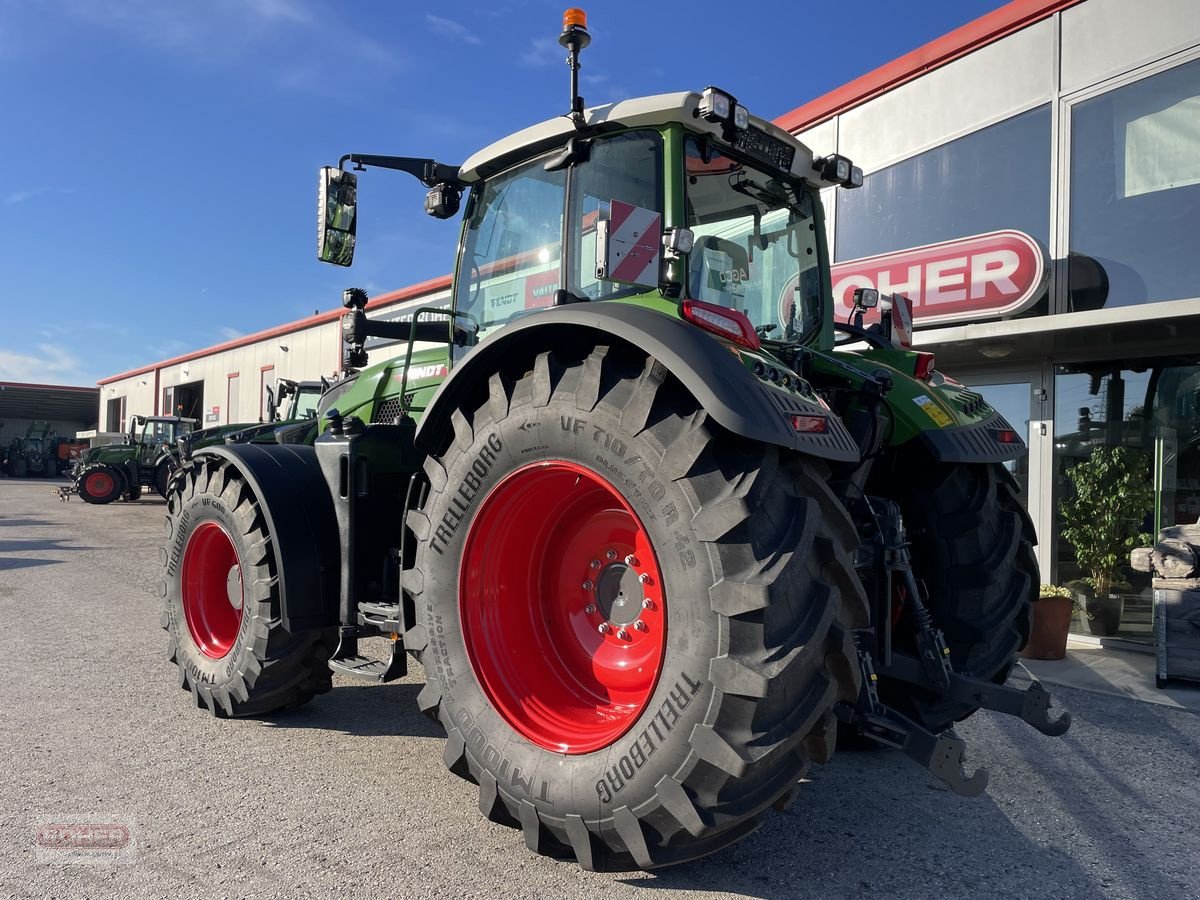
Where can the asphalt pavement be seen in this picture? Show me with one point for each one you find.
(348, 797)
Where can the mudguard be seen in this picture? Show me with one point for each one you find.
(294, 501)
(952, 422)
(714, 375)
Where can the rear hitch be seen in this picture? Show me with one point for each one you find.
(1031, 705)
(940, 754)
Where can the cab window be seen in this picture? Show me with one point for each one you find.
(626, 168)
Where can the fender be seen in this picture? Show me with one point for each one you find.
(294, 500)
(715, 376)
(952, 422)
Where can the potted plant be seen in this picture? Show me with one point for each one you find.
(1103, 522)
(1051, 623)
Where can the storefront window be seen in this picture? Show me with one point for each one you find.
(995, 179)
(1150, 409)
(1135, 192)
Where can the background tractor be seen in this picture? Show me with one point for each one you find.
(653, 523)
(146, 459)
(35, 453)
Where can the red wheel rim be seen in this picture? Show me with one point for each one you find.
(99, 483)
(212, 590)
(562, 607)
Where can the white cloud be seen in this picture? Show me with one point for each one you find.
(543, 52)
(222, 31)
(451, 29)
(21, 196)
(229, 334)
(51, 364)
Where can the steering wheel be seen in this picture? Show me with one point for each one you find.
(874, 338)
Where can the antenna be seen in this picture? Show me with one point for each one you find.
(575, 37)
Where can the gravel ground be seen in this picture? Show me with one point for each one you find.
(348, 796)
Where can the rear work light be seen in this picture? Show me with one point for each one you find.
(923, 368)
(731, 324)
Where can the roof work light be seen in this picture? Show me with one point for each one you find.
(839, 170)
(720, 107)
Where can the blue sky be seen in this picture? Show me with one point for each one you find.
(160, 156)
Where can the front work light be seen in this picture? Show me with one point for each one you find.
(442, 201)
(715, 105)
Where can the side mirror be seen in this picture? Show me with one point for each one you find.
(337, 215)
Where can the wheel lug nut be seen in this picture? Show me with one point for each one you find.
(587, 585)
(610, 554)
(631, 560)
(647, 603)
(639, 625)
(603, 628)
(595, 563)
(623, 634)
(590, 608)
(644, 578)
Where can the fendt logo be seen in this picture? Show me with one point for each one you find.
(981, 277)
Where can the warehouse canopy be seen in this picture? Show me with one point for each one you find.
(51, 402)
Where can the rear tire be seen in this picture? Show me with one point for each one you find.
(752, 617)
(99, 484)
(221, 587)
(972, 545)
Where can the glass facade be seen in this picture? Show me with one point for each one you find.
(1151, 409)
(1135, 192)
(1126, 427)
(992, 179)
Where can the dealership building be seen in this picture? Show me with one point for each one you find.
(1032, 183)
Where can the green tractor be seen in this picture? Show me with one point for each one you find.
(147, 458)
(656, 526)
(291, 405)
(35, 453)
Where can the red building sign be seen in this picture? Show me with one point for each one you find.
(981, 277)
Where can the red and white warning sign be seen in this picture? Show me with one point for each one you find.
(629, 244)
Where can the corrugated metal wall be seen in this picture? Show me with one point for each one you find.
(303, 355)
(13, 428)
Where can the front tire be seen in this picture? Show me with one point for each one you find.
(596, 493)
(221, 586)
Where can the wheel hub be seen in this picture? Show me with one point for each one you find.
(233, 587)
(562, 607)
(619, 594)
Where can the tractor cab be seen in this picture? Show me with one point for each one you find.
(684, 202)
(292, 401)
(150, 433)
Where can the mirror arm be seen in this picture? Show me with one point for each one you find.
(428, 171)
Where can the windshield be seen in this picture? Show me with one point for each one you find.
(756, 244)
(157, 432)
(306, 403)
(512, 254)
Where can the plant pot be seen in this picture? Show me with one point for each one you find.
(1051, 623)
(1104, 614)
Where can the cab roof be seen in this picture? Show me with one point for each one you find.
(659, 109)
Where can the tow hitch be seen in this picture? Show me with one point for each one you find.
(885, 561)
